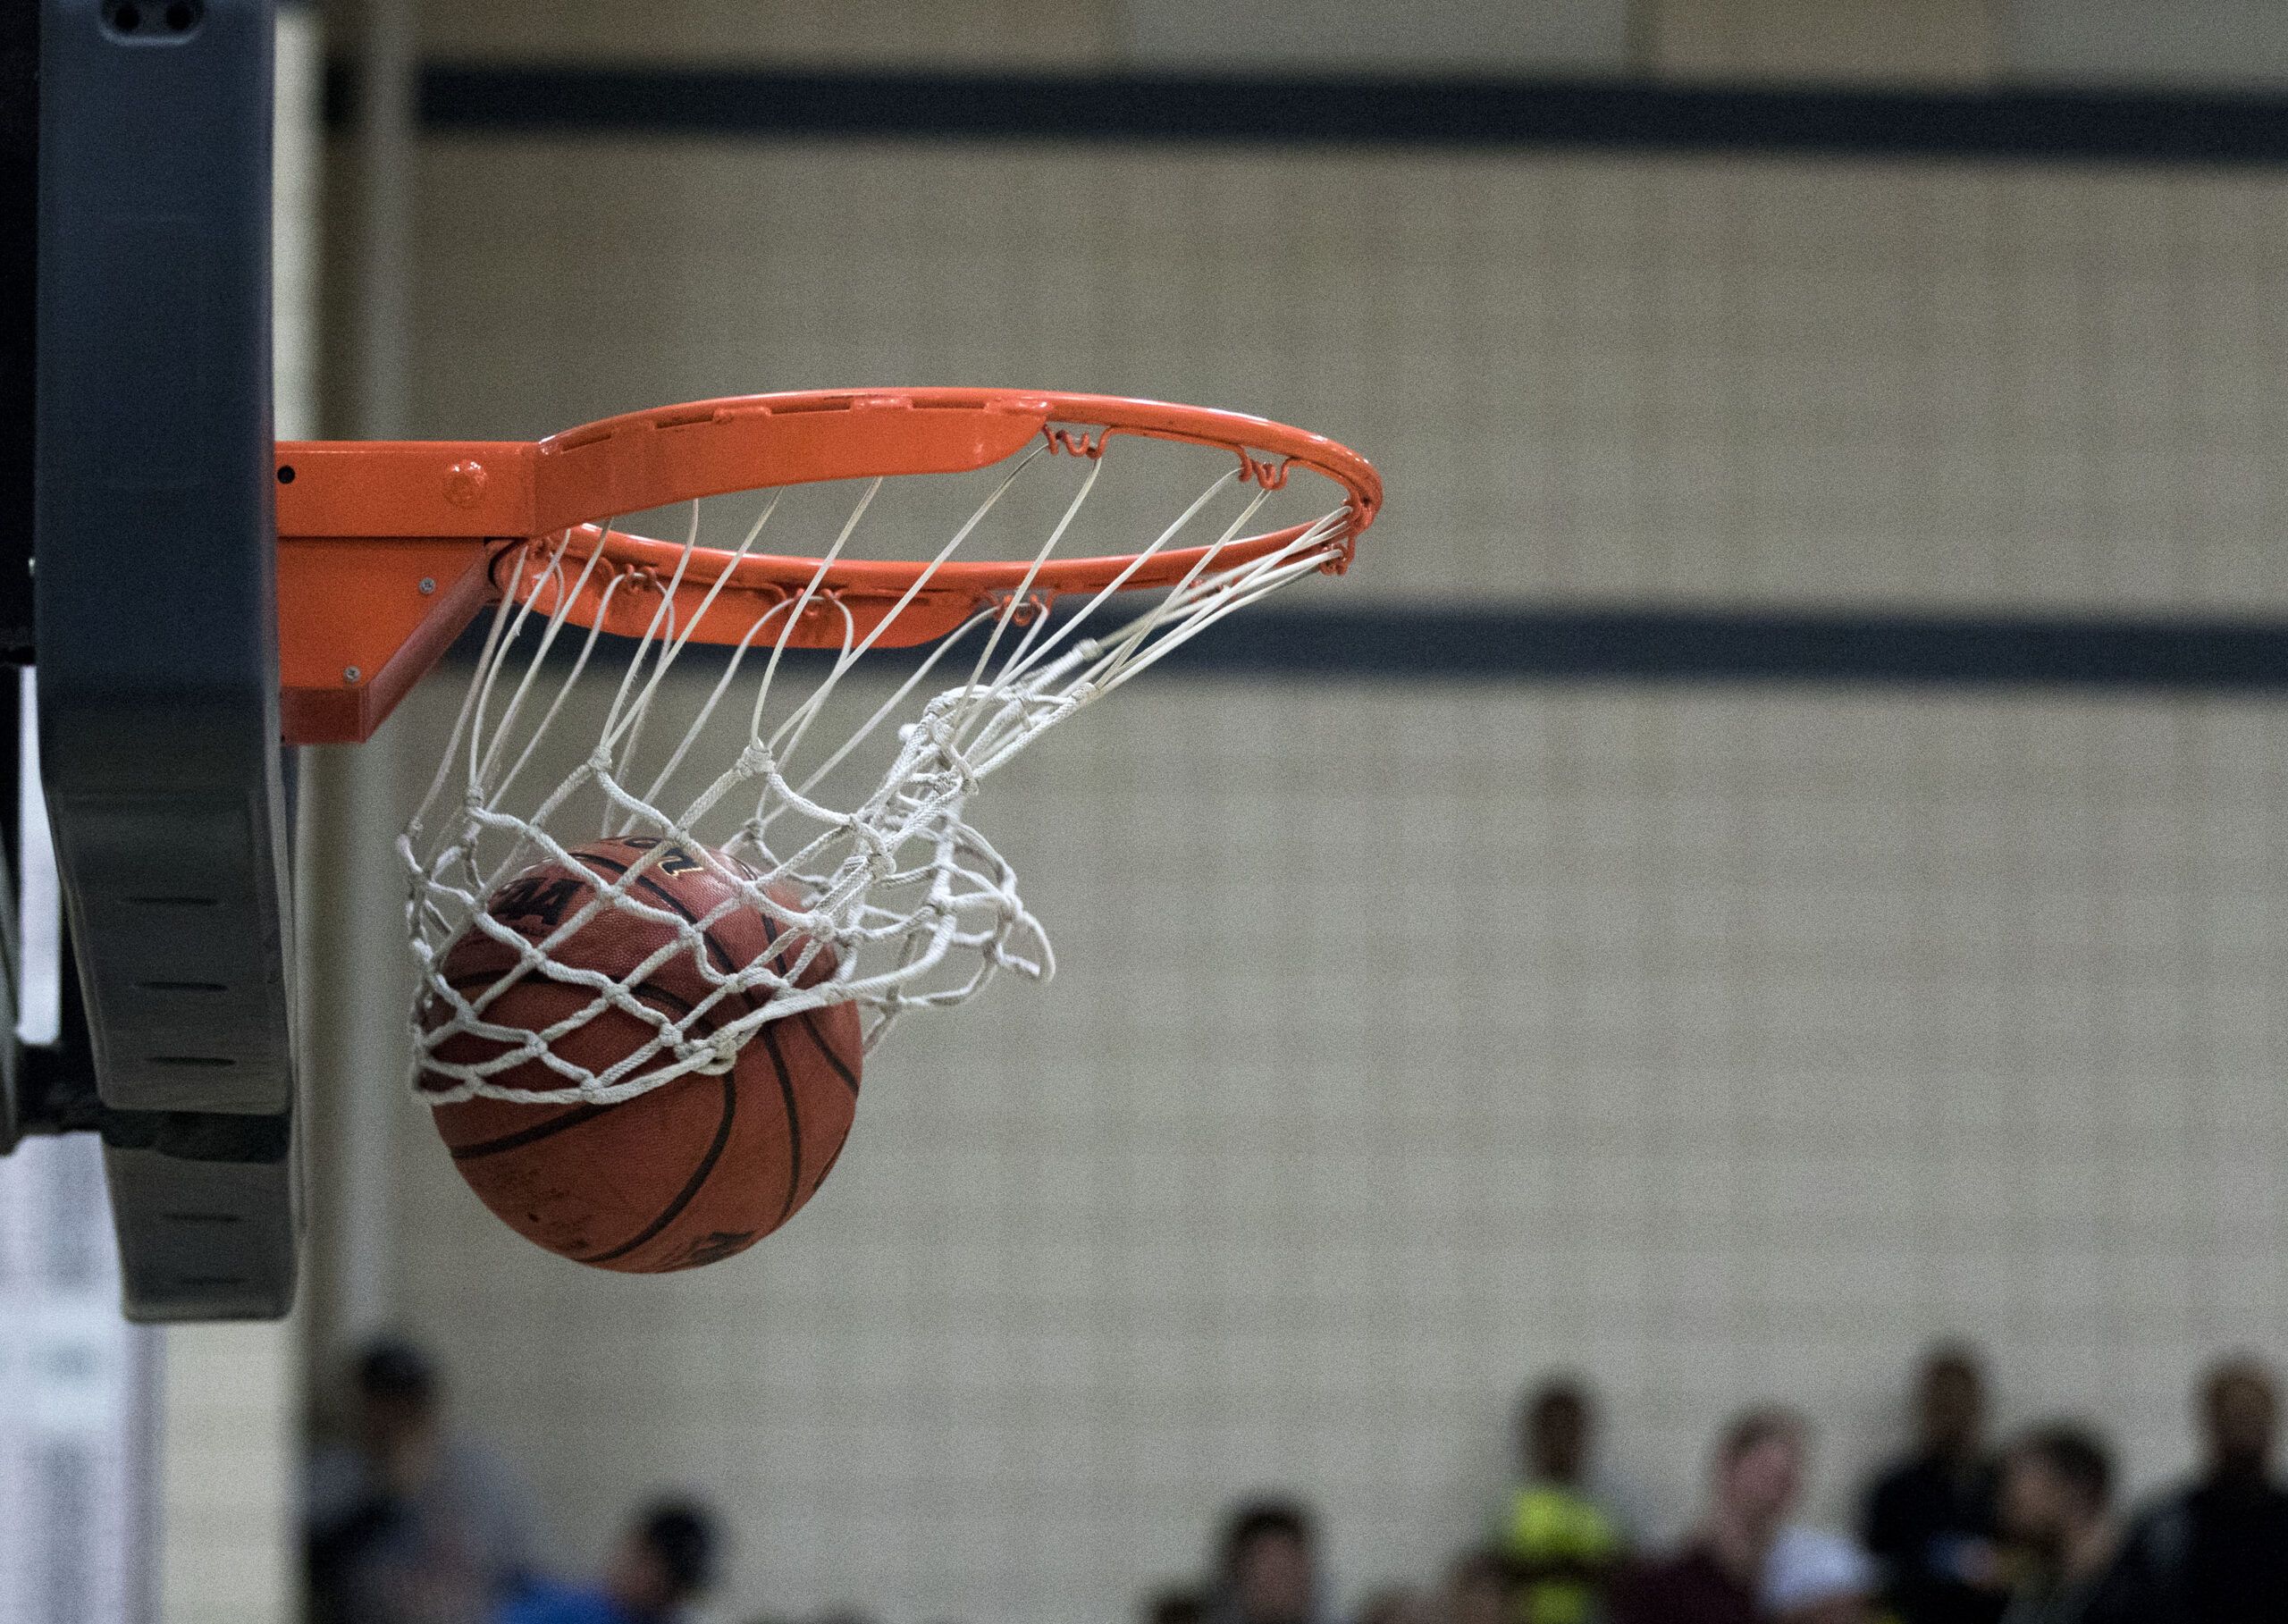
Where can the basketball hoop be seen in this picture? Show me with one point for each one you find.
(853, 834)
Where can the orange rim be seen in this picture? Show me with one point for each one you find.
(360, 522)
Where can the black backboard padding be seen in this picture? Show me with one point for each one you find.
(19, 203)
(158, 737)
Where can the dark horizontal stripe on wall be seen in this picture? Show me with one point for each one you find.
(1617, 114)
(1690, 647)
(1716, 646)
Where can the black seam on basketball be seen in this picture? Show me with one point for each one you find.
(827, 1172)
(793, 1121)
(487, 978)
(786, 1085)
(689, 1191)
(808, 1021)
(730, 1079)
(715, 948)
(723, 1131)
(575, 1115)
(770, 939)
(571, 1117)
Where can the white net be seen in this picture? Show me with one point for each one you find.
(852, 828)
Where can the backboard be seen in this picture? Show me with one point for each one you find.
(138, 579)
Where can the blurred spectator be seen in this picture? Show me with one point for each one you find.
(1815, 1576)
(1397, 1604)
(1174, 1604)
(2056, 1500)
(2217, 1551)
(664, 1562)
(1717, 1579)
(1479, 1591)
(1561, 1544)
(1267, 1566)
(1929, 1518)
(404, 1522)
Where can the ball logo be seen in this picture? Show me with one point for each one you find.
(539, 897)
(673, 860)
(548, 899)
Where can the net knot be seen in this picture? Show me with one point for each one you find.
(721, 1049)
(754, 760)
(872, 849)
(957, 769)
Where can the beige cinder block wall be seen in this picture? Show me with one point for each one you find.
(1725, 1043)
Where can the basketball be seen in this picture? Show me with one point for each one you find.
(694, 1170)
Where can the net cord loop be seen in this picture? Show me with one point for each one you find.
(673, 651)
(804, 714)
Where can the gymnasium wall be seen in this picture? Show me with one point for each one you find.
(1725, 1045)
(1724, 1041)
(1727, 1042)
